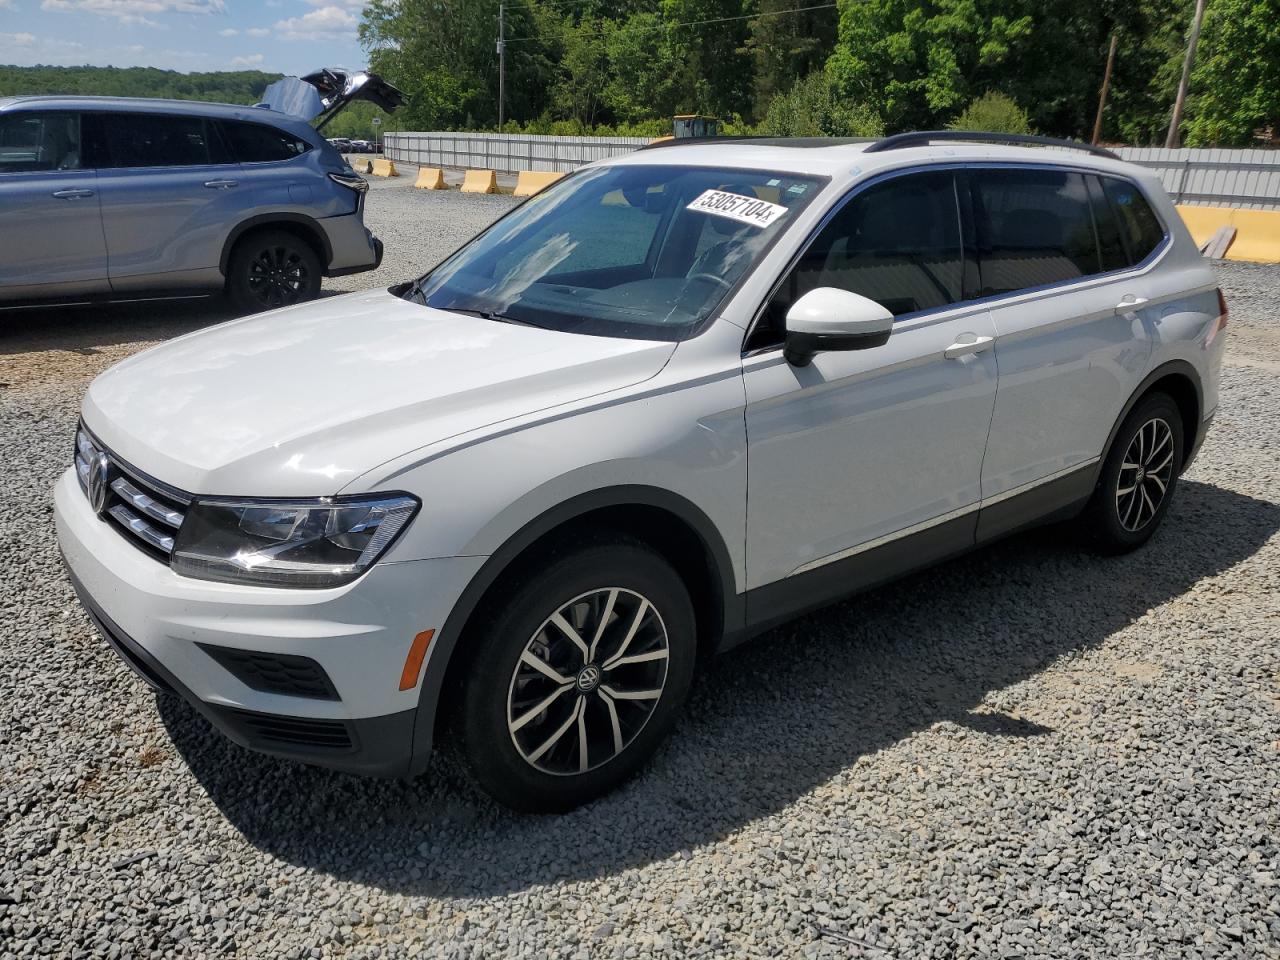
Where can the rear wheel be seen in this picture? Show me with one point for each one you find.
(578, 678)
(270, 269)
(1139, 476)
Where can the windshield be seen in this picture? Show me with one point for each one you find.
(646, 252)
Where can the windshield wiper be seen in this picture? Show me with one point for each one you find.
(490, 315)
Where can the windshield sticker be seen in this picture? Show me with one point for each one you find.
(749, 210)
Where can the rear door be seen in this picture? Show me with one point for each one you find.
(1073, 336)
(169, 199)
(50, 222)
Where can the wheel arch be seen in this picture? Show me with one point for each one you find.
(305, 228)
(1181, 381)
(677, 528)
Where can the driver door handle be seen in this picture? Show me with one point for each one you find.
(963, 348)
(1129, 302)
(72, 194)
(221, 184)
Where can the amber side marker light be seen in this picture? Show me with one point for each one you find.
(413, 662)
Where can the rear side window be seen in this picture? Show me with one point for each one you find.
(33, 142)
(897, 243)
(1034, 227)
(259, 143)
(156, 140)
(1111, 245)
(1138, 223)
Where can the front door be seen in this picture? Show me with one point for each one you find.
(50, 223)
(869, 461)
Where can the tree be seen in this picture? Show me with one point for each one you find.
(787, 46)
(994, 112)
(812, 108)
(1236, 81)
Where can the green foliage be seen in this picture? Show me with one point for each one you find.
(812, 108)
(243, 86)
(995, 112)
(1237, 75)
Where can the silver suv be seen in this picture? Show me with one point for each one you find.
(112, 197)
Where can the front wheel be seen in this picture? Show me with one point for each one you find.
(270, 269)
(1138, 477)
(578, 677)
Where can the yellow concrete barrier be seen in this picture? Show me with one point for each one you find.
(430, 178)
(364, 166)
(1257, 231)
(480, 181)
(531, 181)
(382, 167)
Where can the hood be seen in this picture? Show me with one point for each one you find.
(328, 91)
(301, 401)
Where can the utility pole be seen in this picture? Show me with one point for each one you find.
(1106, 86)
(502, 63)
(1173, 139)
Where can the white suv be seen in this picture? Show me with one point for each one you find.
(671, 400)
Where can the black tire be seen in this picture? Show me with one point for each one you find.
(500, 684)
(272, 268)
(1124, 511)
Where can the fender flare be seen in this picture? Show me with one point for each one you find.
(1180, 367)
(446, 640)
(310, 224)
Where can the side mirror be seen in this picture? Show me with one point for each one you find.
(832, 319)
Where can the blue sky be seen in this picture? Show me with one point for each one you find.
(288, 36)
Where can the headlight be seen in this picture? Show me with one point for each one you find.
(289, 543)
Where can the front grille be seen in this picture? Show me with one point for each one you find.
(283, 673)
(146, 512)
(268, 729)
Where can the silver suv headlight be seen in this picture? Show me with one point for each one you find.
(289, 543)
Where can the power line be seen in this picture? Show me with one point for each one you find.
(690, 23)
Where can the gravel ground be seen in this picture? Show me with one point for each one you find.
(1026, 752)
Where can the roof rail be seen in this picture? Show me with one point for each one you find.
(900, 141)
(751, 139)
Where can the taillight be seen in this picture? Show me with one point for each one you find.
(1222, 310)
(351, 181)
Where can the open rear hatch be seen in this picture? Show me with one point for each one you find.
(326, 92)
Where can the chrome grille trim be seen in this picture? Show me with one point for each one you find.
(145, 511)
(142, 503)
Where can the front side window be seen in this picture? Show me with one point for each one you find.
(34, 142)
(1034, 227)
(643, 251)
(161, 140)
(260, 143)
(897, 242)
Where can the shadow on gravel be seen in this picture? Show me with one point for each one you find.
(770, 720)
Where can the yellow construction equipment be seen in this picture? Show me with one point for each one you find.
(480, 181)
(430, 178)
(531, 181)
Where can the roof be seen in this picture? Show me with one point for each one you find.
(200, 108)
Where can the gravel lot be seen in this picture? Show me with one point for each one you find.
(1026, 752)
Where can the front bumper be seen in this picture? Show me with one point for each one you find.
(359, 634)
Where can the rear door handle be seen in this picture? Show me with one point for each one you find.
(965, 347)
(1129, 302)
(72, 194)
(221, 184)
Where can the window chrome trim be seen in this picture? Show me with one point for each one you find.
(1017, 296)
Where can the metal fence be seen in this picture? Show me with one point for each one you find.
(1233, 178)
(505, 153)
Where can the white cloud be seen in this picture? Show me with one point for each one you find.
(356, 5)
(8, 5)
(134, 11)
(27, 50)
(257, 32)
(228, 32)
(18, 39)
(326, 23)
(252, 60)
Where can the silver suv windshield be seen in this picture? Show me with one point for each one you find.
(637, 251)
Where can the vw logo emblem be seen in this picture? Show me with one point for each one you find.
(99, 467)
(588, 678)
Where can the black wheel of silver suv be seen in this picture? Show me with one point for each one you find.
(1139, 476)
(578, 678)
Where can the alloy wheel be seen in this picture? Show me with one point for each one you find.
(277, 276)
(1145, 474)
(587, 681)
